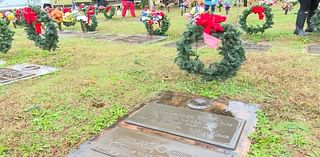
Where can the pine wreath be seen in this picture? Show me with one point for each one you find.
(34, 21)
(155, 18)
(231, 50)
(89, 22)
(315, 21)
(108, 12)
(262, 11)
(6, 37)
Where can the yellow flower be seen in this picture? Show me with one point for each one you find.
(10, 16)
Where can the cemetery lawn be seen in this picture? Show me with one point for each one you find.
(100, 81)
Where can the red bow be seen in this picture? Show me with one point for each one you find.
(108, 8)
(37, 27)
(66, 10)
(82, 5)
(258, 10)
(89, 14)
(29, 15)
(210, 22)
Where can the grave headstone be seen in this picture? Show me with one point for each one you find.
(314, 48)
(250, 46)
(205, 127)
(122, 142)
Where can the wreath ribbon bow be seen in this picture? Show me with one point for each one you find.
(258, 10)
(210, 22)
(29, 15)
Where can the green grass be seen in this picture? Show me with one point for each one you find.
(53, 114)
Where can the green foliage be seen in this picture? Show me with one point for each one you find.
(90, 27)
(48, 40)
(256, 29)
(232, 52)
(315, 21)
(6, 37)
(164, 27)
(111, 14)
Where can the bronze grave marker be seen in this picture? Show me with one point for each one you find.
(315, 48)
(205, 127)
(122, 142)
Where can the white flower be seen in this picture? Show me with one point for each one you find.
(82, 18)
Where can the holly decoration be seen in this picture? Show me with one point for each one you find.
(263, 11)
(151, 18)
(40, 28)
(6, 37)
(232, 50)
(315, 21)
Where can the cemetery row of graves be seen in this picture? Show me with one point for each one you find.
(88, 82)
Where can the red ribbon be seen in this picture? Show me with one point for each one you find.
(66, 10)
(210, 22)
(89, 14)
(29, 15)
(38, 27)
(108, 8)
(258, 10)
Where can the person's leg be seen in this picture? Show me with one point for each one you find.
(213, 8)
(313, 7)
(301, 16)
(206, 8)
(124, 8)
(132, 11)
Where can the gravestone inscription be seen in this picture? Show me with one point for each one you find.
(121, 142)
(205, 127)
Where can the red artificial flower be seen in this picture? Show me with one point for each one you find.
(29, 15)
(91, 7)
(18, 14)
(3, 14)
(108, 8)
(150, 22)
(37, 27)
(210, 22)
(89, 14)
(101, 7)
(66, 10)
(82, 5)
(161, 13)
(258, 10)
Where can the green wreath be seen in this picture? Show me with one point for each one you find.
(89, 27)
(47, 40)
(164, 26)
(315, 21)
(108, 15)
(231, 50)
(258, 28)
(6, 37)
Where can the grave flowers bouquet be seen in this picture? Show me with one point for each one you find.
(149, 18)
(69, 19)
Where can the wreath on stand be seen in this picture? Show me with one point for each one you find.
(6, 37)
(89, 22)
(36, 22)
(315, 21)
(262, 11)
(208, 26)
(149, 18)
(108, 12)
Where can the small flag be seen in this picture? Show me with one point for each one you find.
(74, 6)
(211, 41)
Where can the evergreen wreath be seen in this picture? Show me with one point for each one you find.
(159, 18)
(34, 21)
(315, 21)
(6, 37)
(231, 50)
(262, 11)
(89, 22)
(109, 12)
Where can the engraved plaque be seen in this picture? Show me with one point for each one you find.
(8, 75)
(314, 49)
(256, 47)
(121, 142)
(202, 126)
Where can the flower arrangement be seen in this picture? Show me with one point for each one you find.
(149, 18)
(69, 19)
(107, 11)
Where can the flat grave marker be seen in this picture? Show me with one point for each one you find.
(205, 127)
(250, 46)
(196, 45)
(314, 48)
(122, 142)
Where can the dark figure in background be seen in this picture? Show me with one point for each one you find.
(306, 11)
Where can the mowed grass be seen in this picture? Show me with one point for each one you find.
(100, 81)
